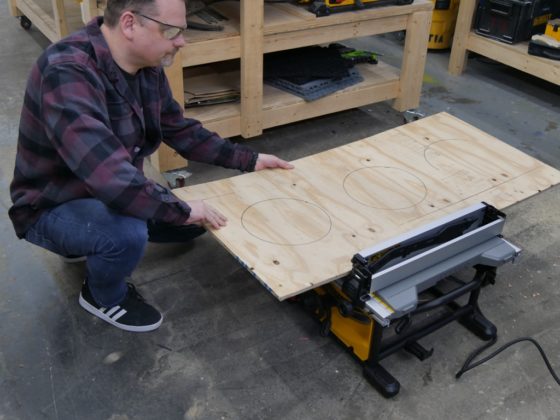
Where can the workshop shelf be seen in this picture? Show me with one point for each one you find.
(513, 55)
(254, 28)
(381, 81)
(276, 27)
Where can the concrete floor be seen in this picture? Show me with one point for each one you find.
(227, 349)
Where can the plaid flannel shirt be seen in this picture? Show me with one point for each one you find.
(83, 134)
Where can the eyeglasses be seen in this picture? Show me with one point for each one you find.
(168, 31)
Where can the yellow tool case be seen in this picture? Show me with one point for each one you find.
(444, 18)
(553, 29)
(326, 7)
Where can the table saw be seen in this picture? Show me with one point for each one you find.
(387, 280)
(369, 236)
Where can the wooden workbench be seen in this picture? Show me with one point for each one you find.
(54, 18)
(297, 229)
(254, 28)
(513, 55)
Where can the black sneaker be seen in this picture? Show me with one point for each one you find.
(132, 314)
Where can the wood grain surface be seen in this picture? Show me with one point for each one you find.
(297, 229)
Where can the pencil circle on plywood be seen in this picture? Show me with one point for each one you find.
(286, 221)
(385, 187)
(452, 154)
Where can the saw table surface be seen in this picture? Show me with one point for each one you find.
(298, 229)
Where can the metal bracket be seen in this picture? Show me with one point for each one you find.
(177, 178)
(411, 115)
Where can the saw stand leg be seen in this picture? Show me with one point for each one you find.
(468, 314)
(375, 374)
(475, 321)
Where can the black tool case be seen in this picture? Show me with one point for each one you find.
(543, 51)
(513, 21)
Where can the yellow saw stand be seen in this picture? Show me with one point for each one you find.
(403, 290)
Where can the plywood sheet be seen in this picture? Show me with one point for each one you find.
(297, 229)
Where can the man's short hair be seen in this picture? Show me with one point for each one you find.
(115, 9)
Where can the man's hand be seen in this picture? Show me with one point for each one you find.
(265, 161)
(205, 214)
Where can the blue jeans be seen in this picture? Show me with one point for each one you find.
(113, 243)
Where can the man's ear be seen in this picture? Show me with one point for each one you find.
(127, 23)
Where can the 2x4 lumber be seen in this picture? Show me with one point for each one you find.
(252, 50)
(414, 61)
(458, 56)
(166, 158)
(516, 56)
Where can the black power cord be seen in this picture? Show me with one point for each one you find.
(468, 365)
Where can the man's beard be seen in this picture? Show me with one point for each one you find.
(167, 60)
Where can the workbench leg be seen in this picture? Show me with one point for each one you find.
(59, 17)
(252, 50)
(89, 10)
(14, 11)
(414, 61)
(166, 158)
(458, 56)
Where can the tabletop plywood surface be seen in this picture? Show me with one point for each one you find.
(297, 229)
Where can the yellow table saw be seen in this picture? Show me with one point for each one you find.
(368, 236)
(388, 281)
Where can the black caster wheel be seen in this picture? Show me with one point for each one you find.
(320, 10)
(25, 22)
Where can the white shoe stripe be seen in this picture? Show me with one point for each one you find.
(112, 310)
(134, 328)
(118, 314)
